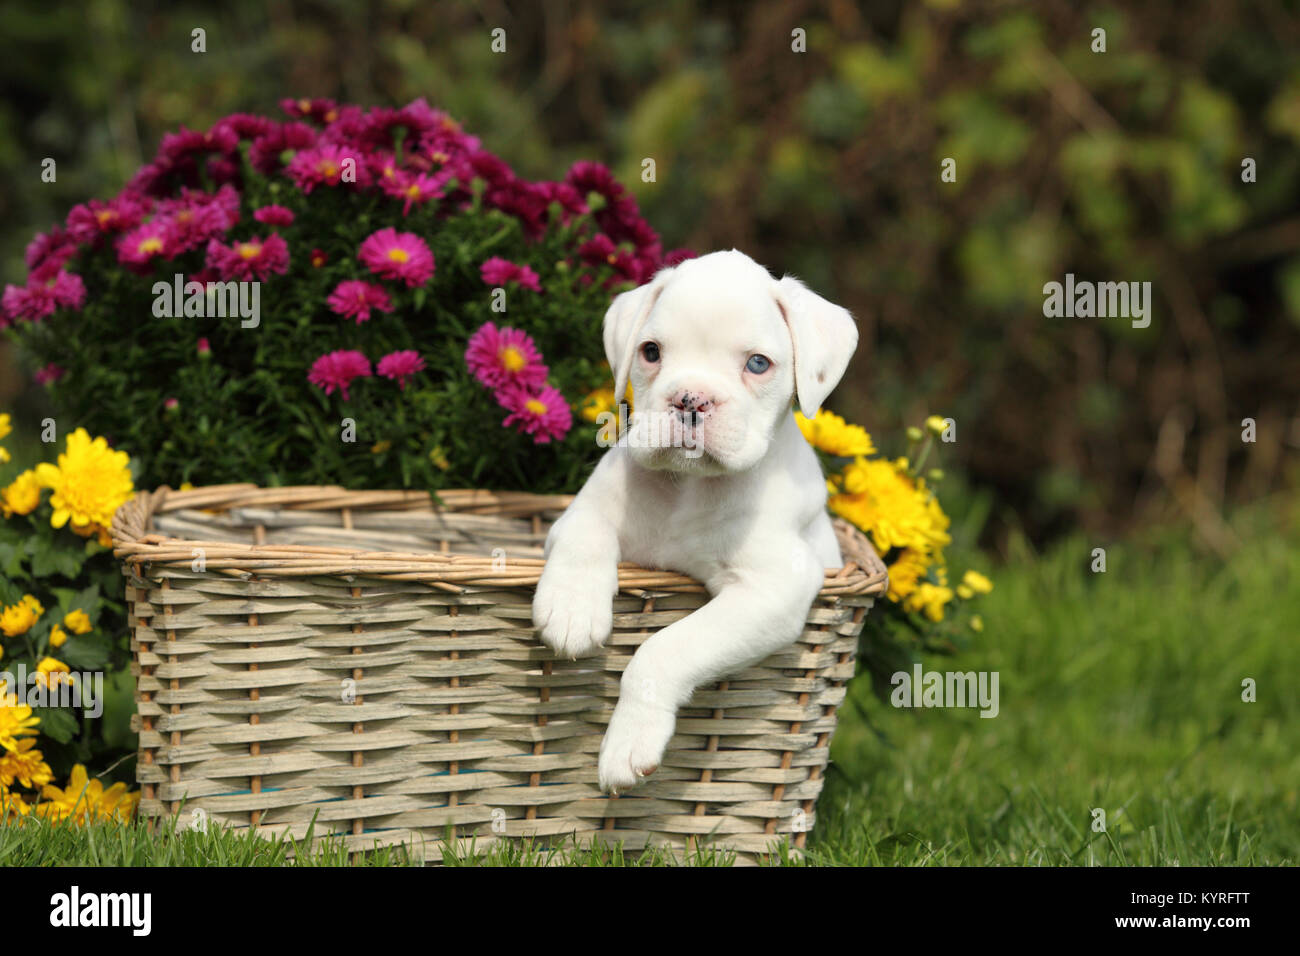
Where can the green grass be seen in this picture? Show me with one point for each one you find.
(1119, 691)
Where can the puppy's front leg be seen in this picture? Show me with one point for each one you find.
(573, 608)
(749, 618)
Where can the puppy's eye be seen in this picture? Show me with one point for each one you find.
(650, 352)
(758, 364)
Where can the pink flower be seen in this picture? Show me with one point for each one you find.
(205, 350)
(252, 258)
(421, 188)
(337, 370)
(92, 221)
(141, 245)
(325, 165)
(400, 366)
(397, 255)
(49, 375)
(273, 216)
(171, 404)
(497, 272)
(320, 110)
(47, 289)
(500, 357)
(196, 217)
(545, 414)
(355, 298)
(55, 246)
(265, 153)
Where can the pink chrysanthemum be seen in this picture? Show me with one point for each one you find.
(543, 414)
(501, 357)
(49, 375)
(90, 222)
(253, 258)
(273, 216)
(326, 165)
(497, 272)
(400, 366)
(397, 255)
(141, 245)
(47, 289)
(204, 348)
(354, 298)
(337, 370)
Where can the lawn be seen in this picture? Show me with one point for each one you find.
(1120, 691)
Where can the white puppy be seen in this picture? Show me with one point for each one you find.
(717, 348)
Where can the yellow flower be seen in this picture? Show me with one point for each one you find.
(602, 400)
(17, 619)
(976, 623)
(929, 599)
(35, 605)
(16, 722)
(12, 806)
(25, 764)
(906, 572)
(379, 447)
(439, 458)
(22, 495)
(964, 592)
(89, 484)
(86, 801)
(898, 511)
(58, 636)
(936, 424)
(5, 429)
(51, 672)
(827, 432)
(77, 621)
(977, 582)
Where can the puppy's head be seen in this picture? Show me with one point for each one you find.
(715, 350)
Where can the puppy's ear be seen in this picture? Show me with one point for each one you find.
(623, 321)
(824, 337)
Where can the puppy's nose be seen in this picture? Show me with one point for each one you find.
(691, 406)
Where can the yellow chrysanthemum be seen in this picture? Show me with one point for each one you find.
(90, 482)
(77, 621)
(25, 764)
(976, 623)
(827, 432)
(936, 424)
(16, 721)
(58, 636)
(21, 496)
(52, 672)
(977, 582)
(86, 801)
(929, 599)
(897, 510)
(17, 619)
(31, 601)
(906, 572)
(12, 806)
(602, 400)
(5, 429)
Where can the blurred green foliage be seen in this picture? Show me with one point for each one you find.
(1123, 165)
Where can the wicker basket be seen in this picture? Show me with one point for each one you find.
(364, 663)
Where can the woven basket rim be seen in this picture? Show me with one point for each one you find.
(134, 542)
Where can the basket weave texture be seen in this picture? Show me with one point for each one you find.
(363, 664)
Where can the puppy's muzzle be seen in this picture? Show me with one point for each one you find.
(691, 407)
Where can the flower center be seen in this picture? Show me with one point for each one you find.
(413, 191)
(304, 106)
(328, 169)
(105, 216)
(248, 250)
(397, 255)
(512, 360)
(152, 244)
(535, 406)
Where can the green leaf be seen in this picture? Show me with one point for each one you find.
(57, 723)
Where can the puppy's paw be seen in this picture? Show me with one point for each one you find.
(634, 744)
(573, 608)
